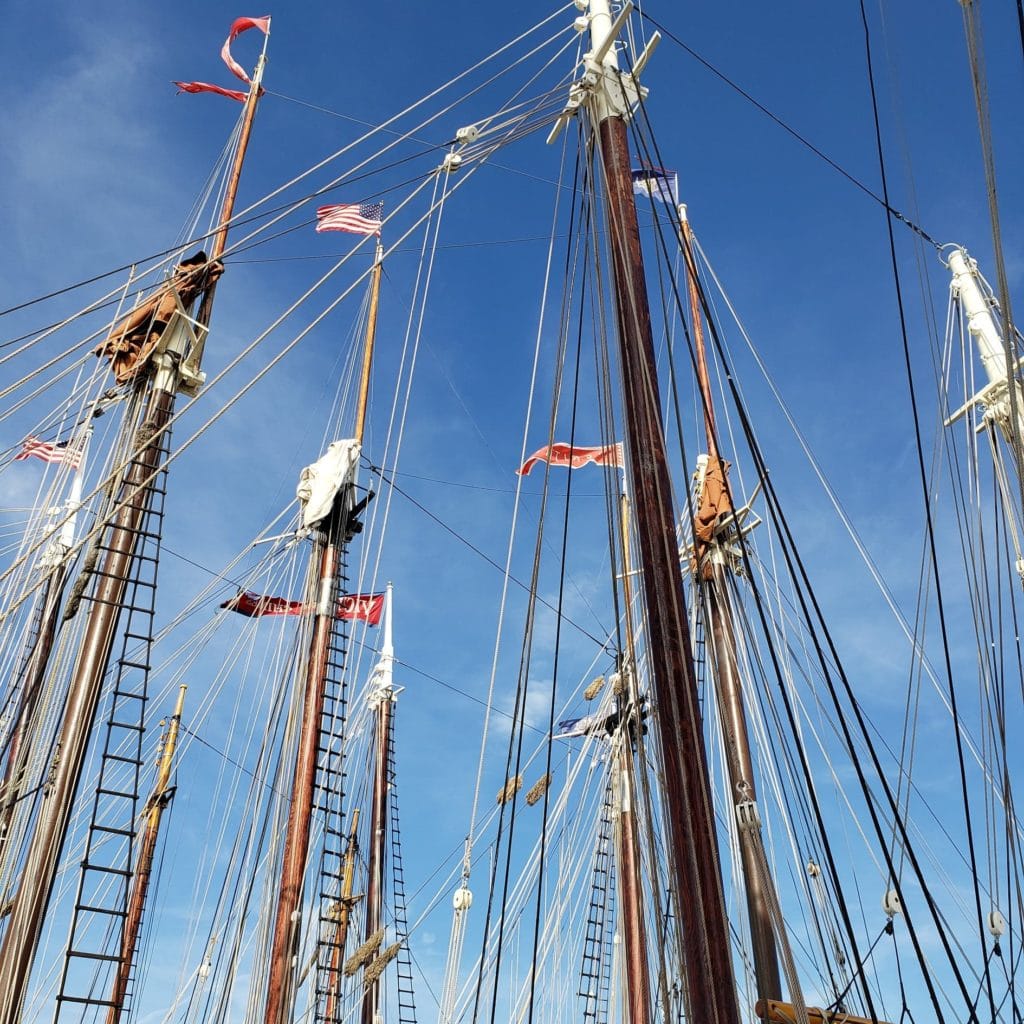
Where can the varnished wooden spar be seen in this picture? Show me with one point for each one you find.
(638, 989)
(158, 800)
(695, 873)
(29, 906)
(638, 995)
(28, 909)
(776, 1012)
(35, 670)
(714, 581)
(325, 559)
(345, 903)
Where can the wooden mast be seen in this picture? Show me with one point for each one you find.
(634, 931)
(382, 697)
(55, 563)
(35, 669)
(28, 908)
(159, 799)
(325, 560)
(714, 576)
(345, 903)
(694, 854)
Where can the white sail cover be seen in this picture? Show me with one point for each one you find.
(319, 484)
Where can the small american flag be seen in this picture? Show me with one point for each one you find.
(59, 451)
(358, 218)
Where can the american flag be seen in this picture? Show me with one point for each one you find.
(59, 451)
(358, 218)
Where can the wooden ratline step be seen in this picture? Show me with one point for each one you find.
(776, 1012)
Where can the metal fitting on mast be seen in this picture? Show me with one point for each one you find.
(606, 90)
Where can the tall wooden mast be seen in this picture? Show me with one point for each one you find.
(713, 570)
(694, 853)
(330, 537)
(55, 567)
(159, 387)
(344, 913)
(633, 926)
(382, 697)
(158, 800)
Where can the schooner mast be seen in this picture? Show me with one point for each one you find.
(55, 567)
(382, 698)
(694, 861)
(714, 566)
(157, 350)
(329, 513)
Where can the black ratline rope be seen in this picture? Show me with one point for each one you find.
(798, 570)
(923, 473)
(902, 218)
(758, 600)
(378, 471)
(531, 606)
(557, 653)
(232, 223)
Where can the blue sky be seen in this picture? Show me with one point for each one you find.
(103, 162)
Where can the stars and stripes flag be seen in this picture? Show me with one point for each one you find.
(575, 456)
(58, 451)
(357, 218)
(354, 607)
(657, 183)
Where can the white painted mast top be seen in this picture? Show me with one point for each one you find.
(980, 321)
(383, 684)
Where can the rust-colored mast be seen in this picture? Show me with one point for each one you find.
(695, 868)
(159, 799)
(714, 573)
(334, 976)
(634, 931)
(28, 908)
(638, 994)
(325, 559)
(55, 566)
(35, 670)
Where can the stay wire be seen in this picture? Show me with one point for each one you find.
(796, 567)
(972, 29)
(882, 201)
(512, 772)
(558, 642)
(930, 528)
(389, 480)
(384, 126)
(492, 886)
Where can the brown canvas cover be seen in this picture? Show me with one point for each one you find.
(714, 503)
(131, 342)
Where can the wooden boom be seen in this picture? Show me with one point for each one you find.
(776, 1012)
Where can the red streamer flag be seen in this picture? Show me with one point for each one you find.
(239, 26)
(232, 94)
(256, 605)
(362, 608)
(575, 457)
(354, 607)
